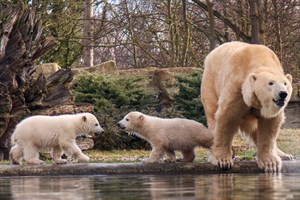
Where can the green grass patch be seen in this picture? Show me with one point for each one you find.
(135, 155)
(289, 142)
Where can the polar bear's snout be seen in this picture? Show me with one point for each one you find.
(98, 131)
(280, 101)
(121, 125)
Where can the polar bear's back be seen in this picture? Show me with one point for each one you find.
(239, 57)
(178, 133)
(232, 62)
(43, 128)
(189, 133)
(42, 122)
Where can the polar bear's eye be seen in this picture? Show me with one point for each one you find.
(284, 83)
(271, 83)
(127, 119)
(96, 124)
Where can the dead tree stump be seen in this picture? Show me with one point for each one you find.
(21, 43)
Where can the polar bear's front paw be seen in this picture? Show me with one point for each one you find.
(269, 163)
(83, 158)
(170, 160)
(60, 161)
(286, 157)
(35, 162)
(222, 162)
(150, 160)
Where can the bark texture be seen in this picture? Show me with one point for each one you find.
(21, 43)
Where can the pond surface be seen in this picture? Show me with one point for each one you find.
(212, 187)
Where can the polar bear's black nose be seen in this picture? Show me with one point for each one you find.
(121, 126)
(282, 94)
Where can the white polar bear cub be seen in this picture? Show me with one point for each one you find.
(57, 133)
(168, 135)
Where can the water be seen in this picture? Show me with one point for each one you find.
(212, 187)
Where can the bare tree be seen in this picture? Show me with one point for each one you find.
(173, 32)
(140, 33)
(226, 21)
(254, 6)
(212, 35)
(277, 28)
(88, 58)
(187, 34)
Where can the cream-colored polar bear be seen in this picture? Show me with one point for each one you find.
(244, 88)
(167, 135)
(57, 133)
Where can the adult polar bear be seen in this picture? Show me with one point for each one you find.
(244, 88)
(57, 133)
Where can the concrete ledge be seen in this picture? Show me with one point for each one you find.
(136, 168)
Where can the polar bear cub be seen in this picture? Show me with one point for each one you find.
(57, 133)
(167, 135)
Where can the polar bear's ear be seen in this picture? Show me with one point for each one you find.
(289, 77)
(141, 117)
(84, 118)
(248, 89)
(252, 78)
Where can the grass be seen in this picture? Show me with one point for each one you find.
(134, 155)
(288, 141)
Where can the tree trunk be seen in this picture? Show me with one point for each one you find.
(21, 95)
(187, 35)
(277, 30)
(173, 23)
(88, 35)
(254, 15)
(212, 31)
(226, 29)
(263, 10)
(132, 36)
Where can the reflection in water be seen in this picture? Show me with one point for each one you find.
(212, 187)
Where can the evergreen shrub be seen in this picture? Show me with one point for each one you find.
(114, 96)
(187, 100)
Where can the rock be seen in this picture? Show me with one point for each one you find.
(65, 109)
(292, 114)
(292, 111)
(46, 69)
(137, 168)
(296, 93)
(108, 67)
(85, 143)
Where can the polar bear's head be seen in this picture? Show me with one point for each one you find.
(132, 122)
(90, 125)
(269, 92)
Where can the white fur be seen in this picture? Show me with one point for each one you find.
(167, 135)
(58, 133)
(240, 90)
(259, 94)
